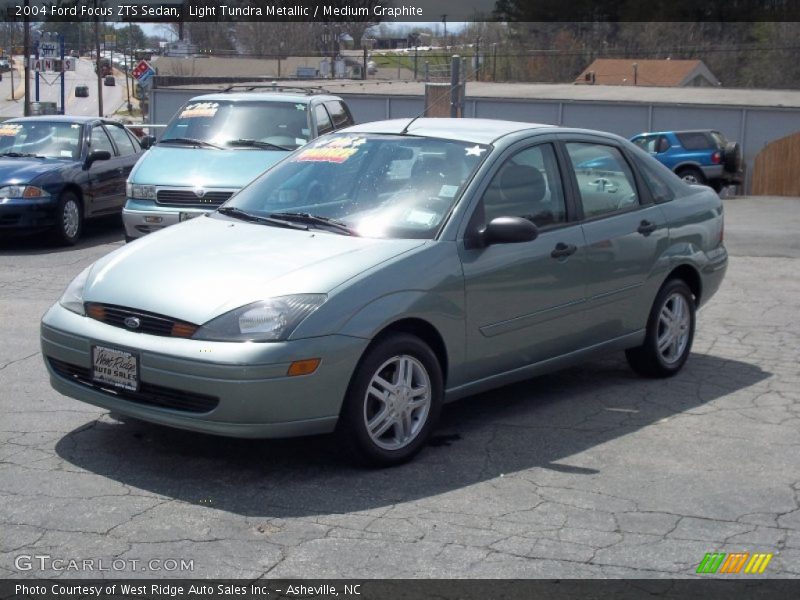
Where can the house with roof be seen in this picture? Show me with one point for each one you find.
(653, 73)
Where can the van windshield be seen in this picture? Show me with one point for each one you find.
(245, 125)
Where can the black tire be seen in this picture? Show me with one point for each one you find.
(69, 219)
(647, 359)
(360, 406)
(692, 176)
(732, 157)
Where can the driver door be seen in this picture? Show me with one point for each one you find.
(104, 175)
(524, 300)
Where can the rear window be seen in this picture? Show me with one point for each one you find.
(696, 140)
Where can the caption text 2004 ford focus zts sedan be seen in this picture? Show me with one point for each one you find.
(379, 272)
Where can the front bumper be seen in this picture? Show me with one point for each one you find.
(141, 217)
(253, 396)
(20, 213)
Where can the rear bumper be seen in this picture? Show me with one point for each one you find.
(718, 172)
(713, 273)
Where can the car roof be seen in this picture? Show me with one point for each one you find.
(677, 131)
(263, 97)
(60, 118)
(479, 131)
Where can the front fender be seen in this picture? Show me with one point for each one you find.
(438, 310)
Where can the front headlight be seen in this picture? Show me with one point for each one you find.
(136, 191)
(72, 298)
(271, 320)
(23, 191)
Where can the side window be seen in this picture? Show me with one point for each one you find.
(658, 187)
(648, 143)
(341, 118)
(663, 144)
(695, 140)
(605, 181)
(100, 141)
(324, 124)
(121, 139)
(528, 185)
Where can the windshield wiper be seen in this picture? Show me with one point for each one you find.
(337, 226)
(193, 141)
(238, 213)
(257, 144)
(22, 155)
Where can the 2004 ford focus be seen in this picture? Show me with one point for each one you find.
(379, 272)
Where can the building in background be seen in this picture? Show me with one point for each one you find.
(654, 73)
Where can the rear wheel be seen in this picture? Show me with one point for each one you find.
(69, 219)
(692, 176)
(670, 332)
(393, 401)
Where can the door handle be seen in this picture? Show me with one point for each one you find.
(646, 227)
(563, 250)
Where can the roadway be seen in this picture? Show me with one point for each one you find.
(114, 97)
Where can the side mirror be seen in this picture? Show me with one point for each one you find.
(147, 141)
(96, 155)
(508, 230)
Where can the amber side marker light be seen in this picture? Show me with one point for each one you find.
(95, 311)
(303, 367)
(183, 330)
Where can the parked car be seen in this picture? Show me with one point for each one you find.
(378, 272)
(214, 145)
(56, 171)
(82, 91)
(697, 156)
(109, 80)
(5, 65)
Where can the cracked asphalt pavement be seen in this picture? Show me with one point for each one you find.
(589, 472)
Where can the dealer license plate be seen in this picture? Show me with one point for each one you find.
(115, 367)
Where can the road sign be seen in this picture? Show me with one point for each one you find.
(49, 50)
(142, 72)
(51, 65)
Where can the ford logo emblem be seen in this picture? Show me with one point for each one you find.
(132, 322)
(199, 192)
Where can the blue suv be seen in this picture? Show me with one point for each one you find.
(699, 156)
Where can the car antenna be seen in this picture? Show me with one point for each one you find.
(405, 129)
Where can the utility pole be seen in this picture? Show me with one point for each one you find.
(97, 64)
(26, 43)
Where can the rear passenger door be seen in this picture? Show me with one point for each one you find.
(625, 234)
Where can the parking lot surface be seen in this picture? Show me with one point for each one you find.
(589, 472)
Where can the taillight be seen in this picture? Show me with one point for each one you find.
(716, 158)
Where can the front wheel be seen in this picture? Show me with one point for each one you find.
(69, 219)
(670, 332)
(393, 402)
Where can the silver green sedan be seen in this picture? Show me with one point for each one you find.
(379, 272)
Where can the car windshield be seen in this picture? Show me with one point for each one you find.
(241, 125)
(47, 139)
(391, 186)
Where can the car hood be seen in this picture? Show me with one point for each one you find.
(202, 167)
(25, 170)
(202, 268)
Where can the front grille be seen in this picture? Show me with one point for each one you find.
(148, 394)
(151, 323)
(188, 197)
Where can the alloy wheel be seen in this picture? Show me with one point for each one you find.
(674, 328)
